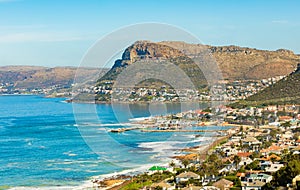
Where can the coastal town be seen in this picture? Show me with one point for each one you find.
(261, 150)
(228, 91)
(225, 91)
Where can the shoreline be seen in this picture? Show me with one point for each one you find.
(115, 178)
(88, 183)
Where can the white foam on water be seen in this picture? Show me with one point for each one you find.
(140, 118)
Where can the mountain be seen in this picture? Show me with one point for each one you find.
(36, 77)
(283, 92)
(157, 52)
(235, 63)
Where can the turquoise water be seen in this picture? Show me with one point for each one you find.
(41, 143)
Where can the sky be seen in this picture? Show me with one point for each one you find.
(59, 33)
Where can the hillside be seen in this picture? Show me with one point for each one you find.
(236, 63)
(284, 91)
(158, 52)
(35, 77)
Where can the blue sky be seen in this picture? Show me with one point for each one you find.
(58, 33)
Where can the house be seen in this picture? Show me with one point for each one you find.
(273, 168)
(208, 179)
(245, 160)
(256, 185)
(223, 184)
(272, 157)
(186, 176)
(163, 185)
(285, 118)
(210, 188)
(272, 108)
(244, 154)
(250, 141)
(259, 177)
(272, 149)
(230, 151)
(228, 168)
(241, 176)
(287, 135)
(296, 150)
(264, 164)
(192, 187)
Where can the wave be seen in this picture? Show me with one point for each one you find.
(140, 118)
(163, 149)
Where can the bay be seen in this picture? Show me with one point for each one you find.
(47, 142)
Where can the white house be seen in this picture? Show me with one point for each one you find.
(230, 151)
(274, 167)
(259, 177)
(256, 185)
(245, 161)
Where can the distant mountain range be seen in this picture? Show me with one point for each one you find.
(35, 77)
(235, 63)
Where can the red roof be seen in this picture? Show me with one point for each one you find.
(240, 174)
(244, 154)
(282, 118)
(271, 148)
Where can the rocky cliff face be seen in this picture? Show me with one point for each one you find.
(145, 50)
(234, 62)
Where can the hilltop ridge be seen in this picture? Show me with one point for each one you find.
(234, 62)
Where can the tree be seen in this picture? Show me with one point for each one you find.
(242, 169)
(286, 124)
(286, 174)
(236, 160)
(213, 158)
(296, 136)
(253, 166)
(241, 128)
(185, 162)
(172, 164)
(255, 155)
(267, 186)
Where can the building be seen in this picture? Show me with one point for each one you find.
(186, 176)
(256, 185)
(223, 184)
(163, 185)
(273, 168)
(259, 177)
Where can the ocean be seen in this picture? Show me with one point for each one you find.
(46, 142)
